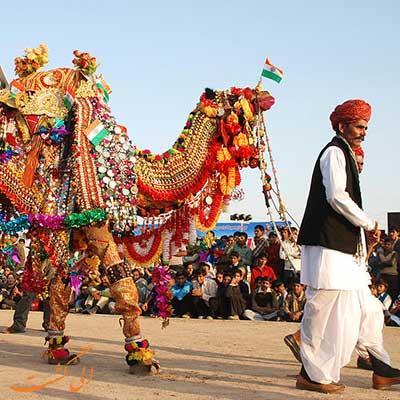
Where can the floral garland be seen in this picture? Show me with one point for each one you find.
(74, 220)
(208, 222)
(161, 279)
(142, 256)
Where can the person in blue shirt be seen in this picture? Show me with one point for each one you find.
(182, 301)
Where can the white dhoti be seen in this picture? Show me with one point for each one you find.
(334, 323)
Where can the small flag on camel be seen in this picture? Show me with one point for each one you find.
(69, 98)
(16, 87)
(96, 132)
(272, 72)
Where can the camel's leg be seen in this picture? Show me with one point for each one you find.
(59, 297)
(124, 292)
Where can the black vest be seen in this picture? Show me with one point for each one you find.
(322, 225)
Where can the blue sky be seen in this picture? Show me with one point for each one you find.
(158, 58)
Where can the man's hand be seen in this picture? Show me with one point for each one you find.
(377, 232)
(145, 307)
(196, 292)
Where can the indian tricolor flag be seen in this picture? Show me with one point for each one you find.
(69, 98)
(96, 132)
(272, 72)
(16, 87)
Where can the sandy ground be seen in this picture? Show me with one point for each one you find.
(200, 359)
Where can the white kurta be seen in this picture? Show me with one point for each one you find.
(323, 268)
(340, 313)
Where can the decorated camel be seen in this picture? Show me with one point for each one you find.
(70, 176)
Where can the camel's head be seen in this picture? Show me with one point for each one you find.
(237, 111)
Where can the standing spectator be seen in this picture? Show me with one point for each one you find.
(20, 246)
(272, 251)
(383, 295)
(394, 234)
(176, 259)
(262, 269)
(235, 262)
(181, 295)
(294, 303)
(264, 303)
(260, 242)
(387, 266)
(241, 248)
(290, 254)
(235, 302)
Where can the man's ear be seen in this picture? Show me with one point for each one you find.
(341, 127)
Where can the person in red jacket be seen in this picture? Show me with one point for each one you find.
(262, 269)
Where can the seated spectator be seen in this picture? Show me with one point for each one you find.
(98, 298)
(242, 249)
(11, 293)
(294, 303)
(262, 269)
(383, 295)
(209, 294)
(387, 266)
(220, 305)
(207, 269)
(79, 301)
(281, 294)
(200, 308)
(235, 301)
(189, 271)
(264, 303)
(144, 290)
(394, 313)
(182, 296)
(243, 284)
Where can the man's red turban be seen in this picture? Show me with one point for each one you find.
(350, 111)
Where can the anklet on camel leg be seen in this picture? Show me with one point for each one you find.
(56, 352)
(140, 356)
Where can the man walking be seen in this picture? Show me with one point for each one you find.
(340, 312)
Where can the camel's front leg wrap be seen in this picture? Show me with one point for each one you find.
(124, 292)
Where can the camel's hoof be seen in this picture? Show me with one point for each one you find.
(145, 370)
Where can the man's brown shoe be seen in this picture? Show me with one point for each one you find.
(305, 384)
(294, 346)
(383, 383)
(10, 329)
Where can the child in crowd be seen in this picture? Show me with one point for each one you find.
(262, 269)
(264, 303)
(182, 296)
(293, 307)
(235, 302)
(200, 307)
(383, 295)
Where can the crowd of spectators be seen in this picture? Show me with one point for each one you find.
(232, 277)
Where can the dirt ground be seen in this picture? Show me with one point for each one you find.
(200, 359)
